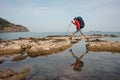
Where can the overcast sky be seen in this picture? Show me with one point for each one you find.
(56, 15)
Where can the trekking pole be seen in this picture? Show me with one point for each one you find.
(68, 28)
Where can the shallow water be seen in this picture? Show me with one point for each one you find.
(57, 66)
(16, 35)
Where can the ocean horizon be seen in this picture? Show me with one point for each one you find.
(16, 35)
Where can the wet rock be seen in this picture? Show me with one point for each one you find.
(97, 34)
(35, 46)
(111, 35)
(6, 73)
(47, 48)
(8, 48)
(1, 61)
(97, 40)
(58, 40)
(9, 74)
(32, 52)
(113, 46)
(50, 44)
(13, 47)
(102, 35)
(19, 57)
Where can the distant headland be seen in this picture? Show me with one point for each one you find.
(6, 26)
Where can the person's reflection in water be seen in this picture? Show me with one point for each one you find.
(78, 65)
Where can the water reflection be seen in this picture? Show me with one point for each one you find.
(78, 65)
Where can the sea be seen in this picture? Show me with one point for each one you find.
(95, 65)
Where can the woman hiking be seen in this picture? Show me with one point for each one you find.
(79, 23)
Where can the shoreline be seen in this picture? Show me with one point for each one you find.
(55, 43)
(103, 45)
(32, 47)
(38, 46)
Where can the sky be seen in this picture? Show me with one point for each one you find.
(56, 15)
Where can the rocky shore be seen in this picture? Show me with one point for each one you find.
(35, 46)
(9, 74)
(52, 44)
(23, 47)
(103, 45)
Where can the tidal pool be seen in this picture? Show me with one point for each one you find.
(75, 63)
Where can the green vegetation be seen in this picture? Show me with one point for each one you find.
(3, 23)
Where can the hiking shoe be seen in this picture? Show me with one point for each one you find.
(70, 38)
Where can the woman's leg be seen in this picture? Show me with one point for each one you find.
(84, 35)
(73, 34)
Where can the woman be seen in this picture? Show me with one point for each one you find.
(79, 26)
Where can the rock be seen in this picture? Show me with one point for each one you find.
(32, 52)
(9, 74)
(6, 73)
(19, 57)
(1, 61)
(97, 40)
(73, 41)
(102, 35)
(112, 46)
(47, 45)
(111, 35)
(35, 46)
(8, 48)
